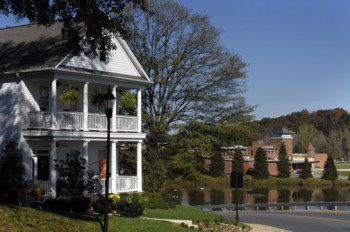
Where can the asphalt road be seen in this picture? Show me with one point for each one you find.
(297, 221)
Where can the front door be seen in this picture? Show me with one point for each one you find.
(43, 167)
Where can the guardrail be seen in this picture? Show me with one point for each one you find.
(75, 121)
(279, 206)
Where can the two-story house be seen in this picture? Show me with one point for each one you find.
(34, 71)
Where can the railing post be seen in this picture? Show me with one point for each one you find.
(139, 110)
(86, 105)
(139, 166)
(114, 111)
(53, 103)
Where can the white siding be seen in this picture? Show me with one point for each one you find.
(10, 108)
(119, 62)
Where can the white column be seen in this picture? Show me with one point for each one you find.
(53, 172)
(35, 167)
(54, 103)
(86, 105)
(114, 110)
(139, 110)
(139, 166)
(114, 166)
(86, 154)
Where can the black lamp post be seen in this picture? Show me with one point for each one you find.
(109, 99)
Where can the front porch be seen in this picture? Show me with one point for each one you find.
(44, 175)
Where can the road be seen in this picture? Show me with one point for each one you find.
(297, 221)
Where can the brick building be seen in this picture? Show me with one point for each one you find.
(279, 137)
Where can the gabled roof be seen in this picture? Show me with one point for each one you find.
(33, 48)
(30, 48)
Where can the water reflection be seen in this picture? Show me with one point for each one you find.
(261, 195)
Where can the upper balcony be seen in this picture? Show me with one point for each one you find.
(47, 111)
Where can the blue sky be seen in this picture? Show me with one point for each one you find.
(298, 51)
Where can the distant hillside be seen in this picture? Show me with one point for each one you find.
(328, 130)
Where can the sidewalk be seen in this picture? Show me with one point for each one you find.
(263, 228)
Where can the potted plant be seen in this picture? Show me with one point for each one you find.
(97, 99)
(69, 97)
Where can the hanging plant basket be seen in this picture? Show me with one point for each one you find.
(69, 96)
(97, 99)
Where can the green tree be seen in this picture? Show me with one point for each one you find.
(237, 163)
(84, 22)
(11, 171)
(260, 165)
(283, 163)
(217, 165)
(330, 170)
(306, 170)
(72, 179)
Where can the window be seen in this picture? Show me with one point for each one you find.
(102, 154)
(44, 98)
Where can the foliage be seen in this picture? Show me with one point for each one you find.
(237, 163)
(330, 171)
(130, 206)
(72, 179)
(69, 96)
(97, 99)
(155, 201)
(99, 205)
(11, 171)
(217, 165)
(79, 204)
(128, 103)
(260, 165)
(283, 163)
(154, 176)
(306, 170)
(327, 130)
(84, 23)
(127, 160)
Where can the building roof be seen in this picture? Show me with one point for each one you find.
(283, 131)
(30, 48)
(33, 48)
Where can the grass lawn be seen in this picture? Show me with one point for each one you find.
(13, 218)
(343, 173)
(343, 165)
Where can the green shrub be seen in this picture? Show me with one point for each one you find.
(155, 201)
(99, 205)
(80, 204)
(75, 204)
(11, 173)
(58, 204)
(130, 205)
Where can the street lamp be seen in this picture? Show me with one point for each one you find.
(109, 99)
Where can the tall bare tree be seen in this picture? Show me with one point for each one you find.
(194, 76)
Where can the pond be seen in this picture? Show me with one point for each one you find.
(260, 195)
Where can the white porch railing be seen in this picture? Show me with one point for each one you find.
(39, 120)
(42, 184)
(70, 120)
(126, 123)
(75, 121)
(97, 122)
(123, 184)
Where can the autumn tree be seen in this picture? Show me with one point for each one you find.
(283, 163)
(260, 165)
(87, 25)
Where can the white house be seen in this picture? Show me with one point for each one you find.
(34, 70)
